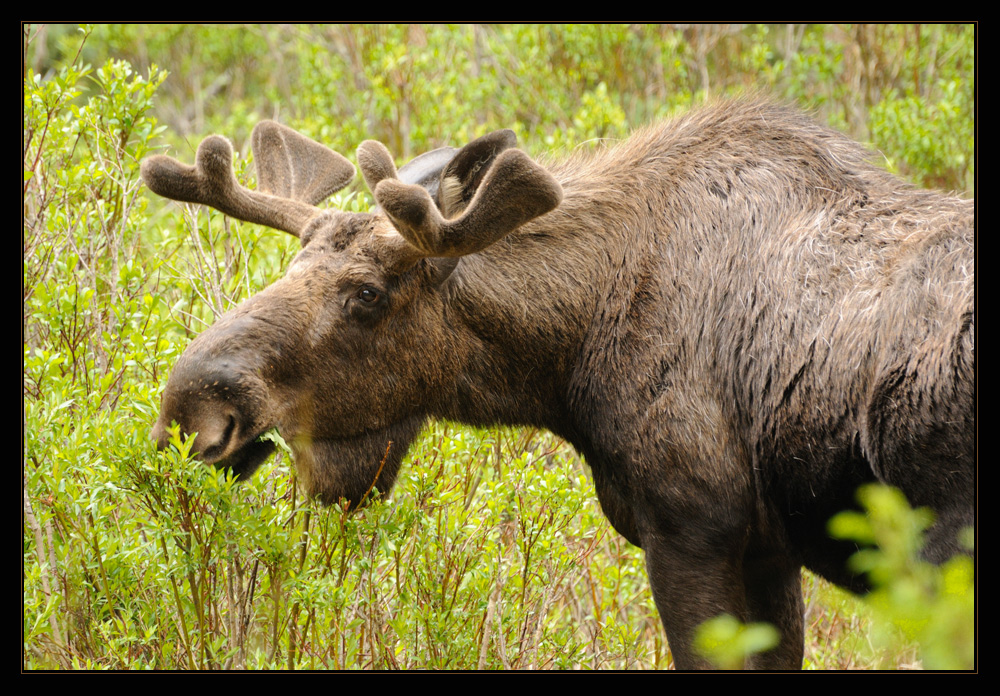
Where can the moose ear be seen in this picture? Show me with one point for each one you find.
(425, 170)
(461, 178)
(441, 268)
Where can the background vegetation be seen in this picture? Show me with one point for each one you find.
(493, 552)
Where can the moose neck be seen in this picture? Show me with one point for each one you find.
(567, 314)
(525, 310)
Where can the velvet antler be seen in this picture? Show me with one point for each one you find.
(294, 172)
(510, 190)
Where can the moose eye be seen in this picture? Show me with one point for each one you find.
(368, 295)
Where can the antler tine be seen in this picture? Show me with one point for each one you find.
(514, 191)
(376, 163)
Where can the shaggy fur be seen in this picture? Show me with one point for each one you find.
(735, 317)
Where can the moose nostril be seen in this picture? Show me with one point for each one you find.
(217, 448)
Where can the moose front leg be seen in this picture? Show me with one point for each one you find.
(691, 586)
(773, 585)
(689, 589)
(710, 553)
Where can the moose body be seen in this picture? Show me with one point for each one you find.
(735, 317)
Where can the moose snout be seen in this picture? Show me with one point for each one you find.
(214, 430)
(221, 405)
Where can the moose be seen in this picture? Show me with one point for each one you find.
(735, 317)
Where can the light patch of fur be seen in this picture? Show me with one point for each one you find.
(450, 195)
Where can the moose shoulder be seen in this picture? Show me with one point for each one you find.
(734, 316)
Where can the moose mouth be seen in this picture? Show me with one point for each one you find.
(331, 469)
(247, 459)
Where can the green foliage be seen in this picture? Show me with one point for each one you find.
(918, 614)
(912, 599)
(906, 89)
(88, 309)
(493, 552)
(931, 138)
(727, 643)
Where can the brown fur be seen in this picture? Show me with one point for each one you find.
(734, 316)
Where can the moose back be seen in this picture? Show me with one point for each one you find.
(734, 316)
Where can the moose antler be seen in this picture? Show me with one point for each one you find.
(513, 191)
(290, 165)
(294, 172)
(488, 188)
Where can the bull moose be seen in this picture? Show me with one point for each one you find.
(735, 317)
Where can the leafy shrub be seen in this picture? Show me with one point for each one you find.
(913, 599)
(914, 607)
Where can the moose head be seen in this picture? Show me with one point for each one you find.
(348, 353)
